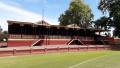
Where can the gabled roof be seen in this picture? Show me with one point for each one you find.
(18, 22)
(73, 26)
(42, 22)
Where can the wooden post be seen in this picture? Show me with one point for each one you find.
(96, 47)
(21, 25)
(79, 48)
(58, 49)
(45, 50)
(30, 51)
(14, 52)
(68, 49)
(87, 48)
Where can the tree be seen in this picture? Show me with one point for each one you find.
(5, 32)
(78, 13)
(4, 36)
(0, 29)
(103, 23)
(113, 8)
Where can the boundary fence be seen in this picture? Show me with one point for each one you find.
(12, 51)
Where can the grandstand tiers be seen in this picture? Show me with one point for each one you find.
(44, 34)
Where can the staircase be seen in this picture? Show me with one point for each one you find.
(72, 40)
(69, 42)
(36, 42)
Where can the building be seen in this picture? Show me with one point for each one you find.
(44, 34)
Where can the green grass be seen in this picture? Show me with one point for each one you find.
(106, 59)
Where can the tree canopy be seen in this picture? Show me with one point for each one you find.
(0, 29)
(103, 23)
(113, 8)
(3, 34)
(78, 13)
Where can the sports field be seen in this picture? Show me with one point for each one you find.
(99, 59)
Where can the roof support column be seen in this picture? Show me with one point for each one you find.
(21, 27)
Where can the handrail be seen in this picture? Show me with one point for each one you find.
(68, 43)
(36, 42)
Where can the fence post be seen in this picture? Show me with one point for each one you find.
(68, 49)
(96, 47)
(87, 48)
(30, 51)
(45, 50)
(78, 48)
(14, 52)
(58, 49)
(104, 47)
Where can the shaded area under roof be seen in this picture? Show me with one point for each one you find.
(43, 23)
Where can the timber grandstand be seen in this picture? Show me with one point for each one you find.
(44, 34)
(41, 37)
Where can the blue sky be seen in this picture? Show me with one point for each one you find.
(31, 10)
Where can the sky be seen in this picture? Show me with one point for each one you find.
(34, 10)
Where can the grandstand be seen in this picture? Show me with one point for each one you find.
(44, 34)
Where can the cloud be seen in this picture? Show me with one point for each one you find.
(16, 10)
(10, 12)
(35, 1)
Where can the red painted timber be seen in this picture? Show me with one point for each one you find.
(18, 43)
(49, 49)
(53, 42)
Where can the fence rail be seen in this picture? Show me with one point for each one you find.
(49, 49)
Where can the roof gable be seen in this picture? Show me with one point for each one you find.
(73, 26)
(42, 22)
